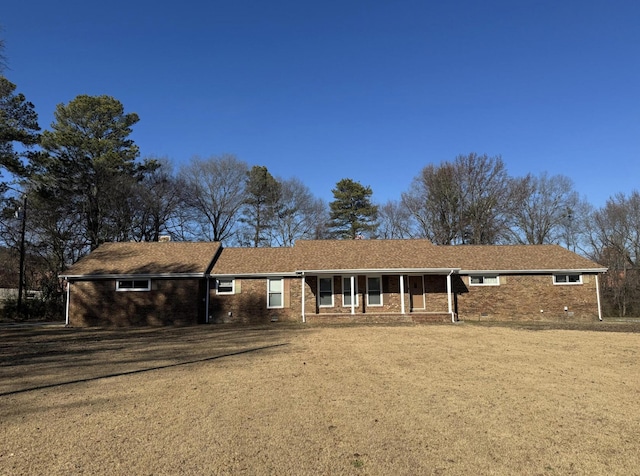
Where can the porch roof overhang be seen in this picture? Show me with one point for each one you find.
(442, 271)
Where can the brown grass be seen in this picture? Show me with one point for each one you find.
(414, 399)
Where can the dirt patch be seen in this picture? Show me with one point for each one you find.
(412, 399)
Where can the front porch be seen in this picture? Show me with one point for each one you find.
(379, 297)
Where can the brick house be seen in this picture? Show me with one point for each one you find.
(327, 280)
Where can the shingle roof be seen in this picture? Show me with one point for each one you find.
(516, 258)
(322, 255)
(327, 255)
(238, 261)
(146, 259)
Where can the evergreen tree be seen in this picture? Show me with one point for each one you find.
(18, 126)
(352, 214)
(262, 197)
(90, 162)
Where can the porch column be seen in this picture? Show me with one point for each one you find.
(449, 300)
(353, 294)
(402, 294)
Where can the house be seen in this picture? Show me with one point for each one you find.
(329, 280)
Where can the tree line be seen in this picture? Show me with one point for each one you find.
(82, 182)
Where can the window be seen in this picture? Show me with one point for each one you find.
(484, 280)
(225, 286)
(346, 291)
(374, 291)
(275, 293)
(133, 285)
(325, 292)
(567, 279)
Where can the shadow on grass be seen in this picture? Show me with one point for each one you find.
(138, 371)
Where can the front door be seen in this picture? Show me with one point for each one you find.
(416, 292)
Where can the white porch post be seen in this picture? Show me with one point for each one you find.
(453, 318)
(353, 294)
(304, 319)
(402, 294)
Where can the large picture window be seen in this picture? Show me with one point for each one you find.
(275, 298)
(346, 291)
(374, 291)
(567, 279)
(325, 292)
(133, 285)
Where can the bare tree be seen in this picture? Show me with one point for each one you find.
(435, 203)
(466, 201)
(545, 210)
(615, 243)
(395, 221)
(213, 195)
(299, 215)
(157, 198)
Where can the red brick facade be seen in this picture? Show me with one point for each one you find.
(517, 297)
(169, 302)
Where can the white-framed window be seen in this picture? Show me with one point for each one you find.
(484, 280)
(133, 285)
(374, 291)
(225, 286)
(325, 292)
(346, 290)
(567, 279)
(275, 293)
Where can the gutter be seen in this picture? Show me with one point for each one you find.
(598, 297)
(453, 315)
(131, 276)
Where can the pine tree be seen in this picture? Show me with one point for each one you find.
(352, 214)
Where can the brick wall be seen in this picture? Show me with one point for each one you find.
(248, 304)
(532, 297)
(169, 302)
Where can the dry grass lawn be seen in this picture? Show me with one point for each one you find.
(374, 400)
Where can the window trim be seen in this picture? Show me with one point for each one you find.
(281, 293)
(233, 286)
(483, 277)
(379, 278)
(355, 292)
(567, 283)
(330, 278)
(133, 287)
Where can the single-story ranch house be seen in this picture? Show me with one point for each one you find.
(182, 283)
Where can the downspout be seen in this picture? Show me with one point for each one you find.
(304, 319)
(598, 297)
(66, 310)
(453, 317)
(353, 294)
(206, 300)
(402, 310)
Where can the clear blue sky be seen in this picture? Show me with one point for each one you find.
(367, 90)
